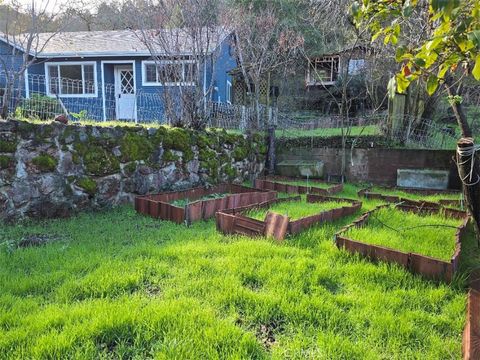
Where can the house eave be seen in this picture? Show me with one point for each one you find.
(106, 54)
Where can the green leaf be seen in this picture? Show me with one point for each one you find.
(474, 36)
(402, 83)
(419, 62)
(442, 71)
(476, 68)
(432, 84)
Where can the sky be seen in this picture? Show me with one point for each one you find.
(50, 5)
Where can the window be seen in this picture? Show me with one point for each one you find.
(229, 92)
(71, 79)
(170, 72)
(323, 70)
(356, 66)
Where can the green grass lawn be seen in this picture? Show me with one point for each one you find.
(116, 284)
(432, 235)
(296, 209)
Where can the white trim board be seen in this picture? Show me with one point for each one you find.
(102, 71)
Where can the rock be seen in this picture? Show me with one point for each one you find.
(116, 151)
(61, 119)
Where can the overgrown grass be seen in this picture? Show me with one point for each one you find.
(316, 184)
(432, 235)
(328, 132)
(117, 284)
(296, 209)
(413, 196)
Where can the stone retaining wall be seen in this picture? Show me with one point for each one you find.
(50, 170)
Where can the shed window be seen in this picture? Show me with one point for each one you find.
(71, 79)
(356, 66)
(323, 70)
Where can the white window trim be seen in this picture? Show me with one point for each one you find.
(95, 82)
(157, 83)
(312, 82)
(228, 92)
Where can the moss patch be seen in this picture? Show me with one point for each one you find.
(100, 162)
(135, 147)
(5, 162)
(8, 146)
(97, 160)
(45, 162)
(130, 168)
(88, 184)
(169, 156)
(179, 139)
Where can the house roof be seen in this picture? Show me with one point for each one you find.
(123, 42)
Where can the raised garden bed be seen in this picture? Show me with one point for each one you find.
(402, 196)
(238, 221)
(431, 267)
(199, 203)
(297, 186)
(471, 334)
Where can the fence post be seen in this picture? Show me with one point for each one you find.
(243, 120)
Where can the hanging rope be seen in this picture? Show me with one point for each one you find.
(469, 153)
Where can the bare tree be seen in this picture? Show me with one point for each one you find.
(263, 45)
(22, 32)
(184, 39)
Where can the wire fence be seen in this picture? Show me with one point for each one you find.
(99, 102)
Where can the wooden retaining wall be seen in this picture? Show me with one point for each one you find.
(274, 183)
(159, 205)
(276, 225)
(428, 267)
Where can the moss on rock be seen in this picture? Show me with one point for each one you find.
(5, 162)
(169, 156)
(135, 147)
(88, 184)
(181, 140)
(100, 162)
(8, 146)
(45, 162)
(130, 167)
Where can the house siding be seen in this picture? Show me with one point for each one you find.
(13, 60)
(149, 102)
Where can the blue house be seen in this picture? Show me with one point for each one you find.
(113, 75)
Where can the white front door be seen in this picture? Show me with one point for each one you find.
(125, 92)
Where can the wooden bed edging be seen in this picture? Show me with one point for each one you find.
(278, 226)
(159, 205)
(471, 333)
(274, 184)
(426, 266)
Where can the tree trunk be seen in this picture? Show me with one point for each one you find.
(469, 172)
(468, 168)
